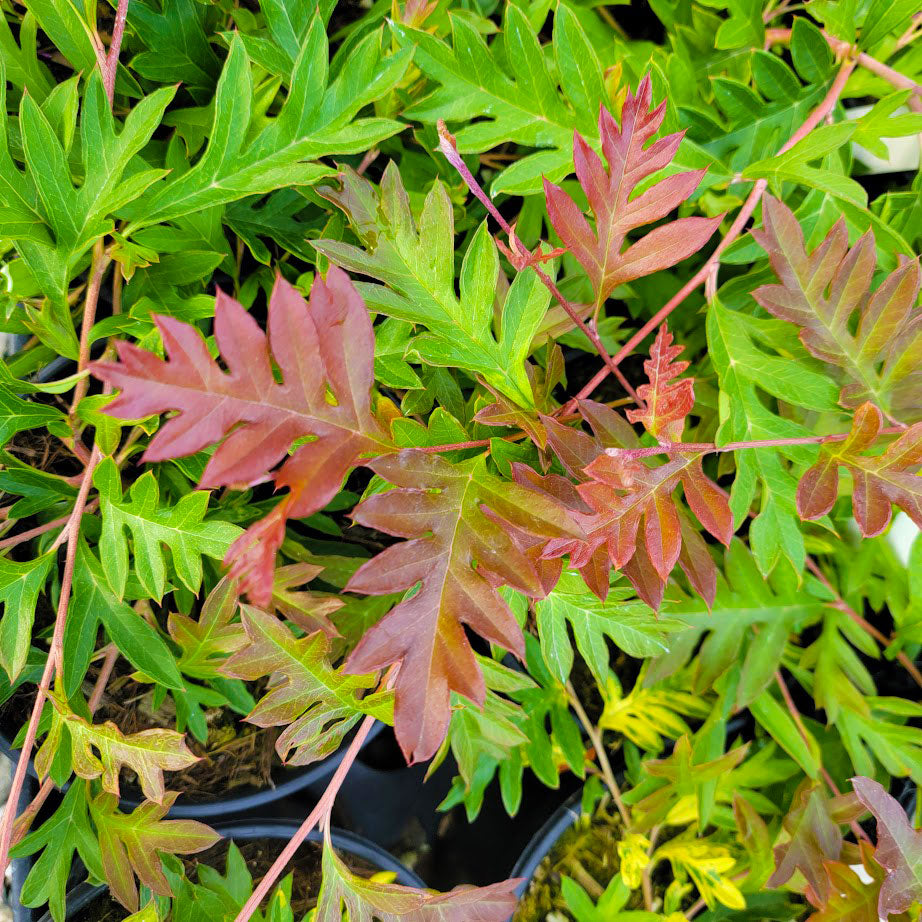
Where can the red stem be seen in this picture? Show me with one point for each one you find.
(41, 529)
(736, 228)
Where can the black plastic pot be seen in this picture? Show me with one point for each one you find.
(243, 831)
(292, 781)
(565, 816)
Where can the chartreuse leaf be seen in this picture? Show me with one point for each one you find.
(94, 603)
(147, 753)
(779, 724)
(132, 844)
(64, 834)
(20, 585)
(416, 263)
(317, 119)
(316, 703)
(182, 528)
(370, 901)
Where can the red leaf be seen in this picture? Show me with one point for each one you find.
(321, 349)
(616, 213)
(877, 481)
(666, 402)
(899, 848)
(458, 554)
(822, 292)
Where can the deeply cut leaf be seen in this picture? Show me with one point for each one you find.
(457, 516)
(877, 482)
(147, 753)
(880, 358)
(609, 192)
(370, 901)
(326, 346)
(313, 701)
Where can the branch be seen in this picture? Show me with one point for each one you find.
(736, 228)
(55, 655)
(517, 255)
(111, 62)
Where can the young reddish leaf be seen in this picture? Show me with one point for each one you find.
(315, 703)
(823, 290)
(899, 848)
(616, 213)
(346, 895)
(131, 844)
(322, 348)
(666, 402)
(815, 837)
(310, 611)
(877, 481)
(148, 753)
(458, 554)
(850, 899)
(623, 494)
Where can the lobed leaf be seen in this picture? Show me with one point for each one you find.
(456, 516)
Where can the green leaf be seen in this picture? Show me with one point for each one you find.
(810, 51)
(417, 265)
(629, 623)
(526, 108)
(20, 584)
(779, 724)
(64, 23)
(17, 414)
(315, 120)
(65, 833)
(94, 602)
(182, 528)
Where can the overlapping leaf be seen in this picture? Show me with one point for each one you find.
(815, 838)
(182, 528)
(371, 901)
(851, 899)
(147, 753)
(601, 252)
(899, 848)
(417, 266)
(622, 492)
(315, 703)
(53, 218)
(131, 845)
(457, 517)
(323, 347)
(878, 482)
(823, 292)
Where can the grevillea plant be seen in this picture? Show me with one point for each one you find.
(536, 380)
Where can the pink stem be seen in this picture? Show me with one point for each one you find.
(736, 228)
(115, 46)
(41, 529)
(318, 814)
